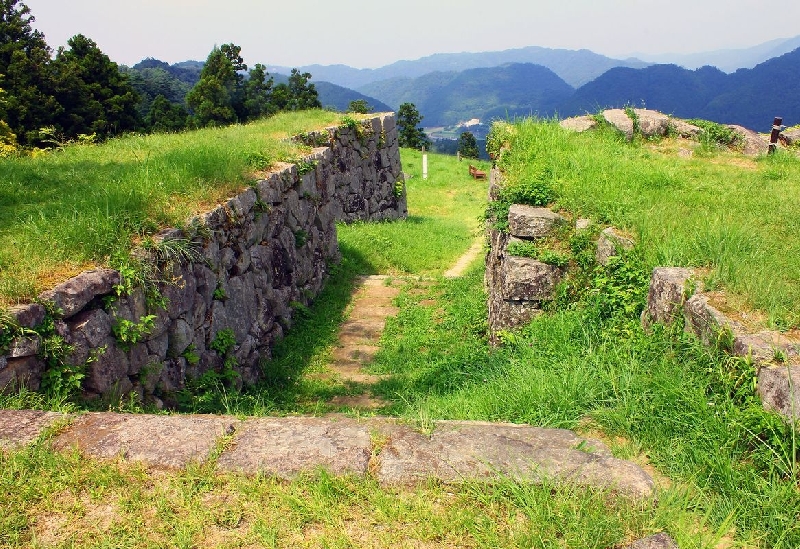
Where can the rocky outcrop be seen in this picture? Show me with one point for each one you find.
(229, 282)
(579, 123)
(674, 295)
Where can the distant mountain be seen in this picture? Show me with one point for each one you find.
(338, 97)
(446, 98)
(749, 97)
(667, 88)
(728, 60)
(576, 67)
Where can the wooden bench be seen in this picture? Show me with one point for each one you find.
(476, 173)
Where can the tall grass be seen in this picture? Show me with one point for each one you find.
(72, 208)
(738, 217)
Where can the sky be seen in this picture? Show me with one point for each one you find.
(373, 33)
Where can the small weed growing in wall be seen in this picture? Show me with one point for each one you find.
(191, 356)
(223, 341)
(300, 238)
(219, 293)
(534, 251)
(637, 128)
(129, 333)
(305, 166)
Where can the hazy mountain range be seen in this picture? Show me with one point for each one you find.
(748, 86)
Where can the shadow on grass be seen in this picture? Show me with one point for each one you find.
(284, 387)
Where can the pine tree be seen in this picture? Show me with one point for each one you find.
(212, 99)
(258, 93)
(25, 66)
(96, 98)
(408, 132)
(468, 145)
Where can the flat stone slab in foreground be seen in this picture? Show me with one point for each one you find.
(169, 442)
(461, 450)
(21, 427)
(285, 447)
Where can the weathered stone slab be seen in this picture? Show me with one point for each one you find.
(779, 389)
(579, 124)
(21, 427)
(74, 294)
(612, 241)
(658, 541)
(285, 447)
(667, 295)
(529, 279)
(169, 442)
(652, 123)
(461, 450)
(620, 120)
(530, 222)
(21, 372)
(28, 316)
(707, 323)
(754, 144)
(684, 129)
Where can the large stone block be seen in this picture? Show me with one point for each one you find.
(779, 389)
(620, 120)
(108, 369)
(652, 123)
(21, 372)
(612, 242)
(530, 222)
(74, 294)
(529, 279)
(710, 325)
(579, 124)
(667, 295)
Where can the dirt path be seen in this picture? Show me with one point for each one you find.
(359, 336)
(360, 333)
(466, 260)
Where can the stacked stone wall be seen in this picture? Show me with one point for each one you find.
(244, 268)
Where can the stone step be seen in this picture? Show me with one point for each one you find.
(455, 451)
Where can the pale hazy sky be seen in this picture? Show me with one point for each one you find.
(371, 33)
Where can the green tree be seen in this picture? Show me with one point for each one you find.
(297, 94)
(468, 145)
(409, 134)
(359, 106)
(211, 100)
(25, 65)
(258, 93)
(165, 116)
(95, 96)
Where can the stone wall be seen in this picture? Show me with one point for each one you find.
(242, 268)
(518, 286)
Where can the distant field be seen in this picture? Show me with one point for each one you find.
(738, 217)
(71, 209)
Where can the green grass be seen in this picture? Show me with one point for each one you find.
(738, 217)
(61, 500)
(71, 209)
(442, 223)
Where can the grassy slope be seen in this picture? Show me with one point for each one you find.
(67, 210)
(736, 216)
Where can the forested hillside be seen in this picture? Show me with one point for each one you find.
(445, 98)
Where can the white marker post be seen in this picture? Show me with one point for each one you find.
(424, 164)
